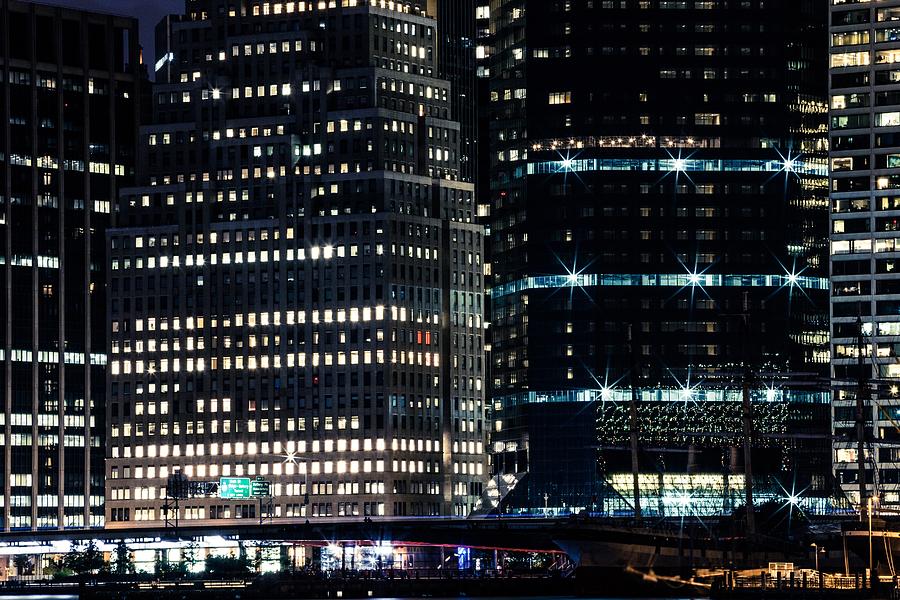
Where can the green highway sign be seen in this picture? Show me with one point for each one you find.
(236, 488)
(260, 488)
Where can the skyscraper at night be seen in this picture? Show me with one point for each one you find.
(456, 64)
(68, 108)
(865, 207)
(658, 228)
(297, 286)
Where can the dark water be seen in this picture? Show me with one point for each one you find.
(39, 597)
(68, 597)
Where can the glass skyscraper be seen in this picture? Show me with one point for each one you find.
(69, 110)
(456, 63)
(658, 228)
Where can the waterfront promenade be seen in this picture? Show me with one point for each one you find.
(386, 584)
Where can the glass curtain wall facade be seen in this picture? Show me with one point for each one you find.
(69, 112)
(297, 288)
(658, 225)
(865, 207)
(456, 63)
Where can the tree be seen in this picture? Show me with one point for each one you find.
(169, 570)
(123, 563)
(257, 558)
(24, 564)
(225, 566)
(57, 569)
(284, 559)
(190, 555)
(86, 560)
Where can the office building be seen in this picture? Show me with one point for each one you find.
(457, 64)
(483, 46)
(296, 285)
(865, 205)
(71, 91)
(658, 200)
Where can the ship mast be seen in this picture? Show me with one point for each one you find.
(747, 419)
(747, 410)
(633, 425)
(862, 395)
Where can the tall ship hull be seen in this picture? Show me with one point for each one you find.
(660, 551)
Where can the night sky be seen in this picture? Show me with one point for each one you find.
(148, 11)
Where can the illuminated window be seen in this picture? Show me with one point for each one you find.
(560, 98)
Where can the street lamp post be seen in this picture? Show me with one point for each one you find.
(818, 549)
(291, 458)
